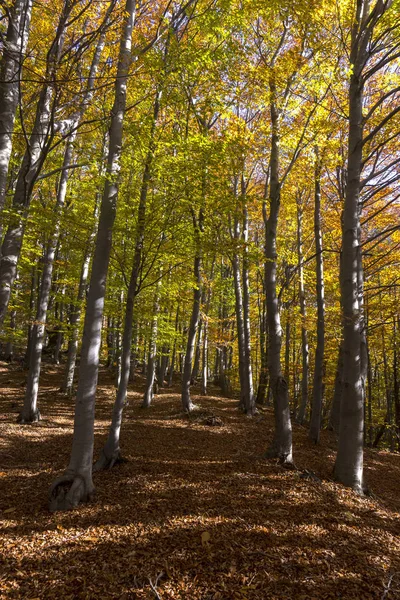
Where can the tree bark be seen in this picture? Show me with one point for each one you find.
(111, 450)
(151, 365)
(282, 442)
(334, 416)
(198, 223)
(303, 314)
(349, 460)
(10, 73)
(318, 386)
(187, 403)
(30, 168)
(76, 484)
(30, 412)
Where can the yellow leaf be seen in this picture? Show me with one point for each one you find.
(205, 538)
(9, 510)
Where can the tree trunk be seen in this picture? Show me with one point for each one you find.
(76, 484)
(249, 405)
(10, 73)
(282, 443)
(151, 365)
(197, 354)
(334, 417)
(30, 168)
(261, 397)
(173, 357)
(303, 314)
(318, 386)
(349, 460)
(187, 403)
(111, 451)
(396, 383)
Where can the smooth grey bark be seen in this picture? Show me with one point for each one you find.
(240, 330)
(199, 345)
(396, 382)
(349, 459)
(303, 315)
(29, 411)
(163, 365)
(242, 299)
(334, 416)
(32, 305)
(282, 442)
(110, 453)
(187, 403)
(173, 357)
(31, 165)
(249, 406)
(204, 366)
(111, 345)
(318, 382)
(151, 364)
(76, 484)
(204, 352)
(262, 387)
(75, 318)
(14, 49)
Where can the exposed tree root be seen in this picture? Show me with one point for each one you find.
(26, 418)
(285, 460)
(69, 490)
(105, 462)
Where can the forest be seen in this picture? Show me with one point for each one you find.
(199, 299)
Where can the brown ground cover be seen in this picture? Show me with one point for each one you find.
(195, 513)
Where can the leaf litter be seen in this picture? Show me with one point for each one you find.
(196, 512)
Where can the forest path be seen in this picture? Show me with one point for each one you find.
(195, 513)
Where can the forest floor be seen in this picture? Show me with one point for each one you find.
(195, 513)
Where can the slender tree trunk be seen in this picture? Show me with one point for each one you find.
(30, 168)
(197, 354)
(74, 322)
(303, 314)
(204, 367)
(76, 484)
(263, 376)
(60, 332)
(249, 405)
(396, 383)
(111, 450)
(318, 386)
(173, 357)
(32, 305)
(240, 330)
(282, 442)
(10, 74)
(187, 403)
(151, 365)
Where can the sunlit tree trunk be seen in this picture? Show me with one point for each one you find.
(303, 314)
(76, 484)
(151, 364)
(282, 442)
(30, 168)
(14, 48)
(187, 403)
(111, 451)
(30, 412)
(349, 460)
(318, 386)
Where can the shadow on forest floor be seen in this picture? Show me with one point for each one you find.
(269, 533)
